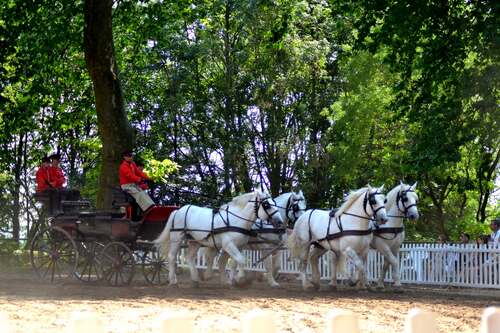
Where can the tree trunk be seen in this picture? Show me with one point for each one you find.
(114, 128)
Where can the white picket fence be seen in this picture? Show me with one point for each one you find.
(259, 321)
(460, 265)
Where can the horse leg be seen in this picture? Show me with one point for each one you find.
(303, 257)
(276, 265)
(386, 253)
(269, 264)
(395, 268)
(222, 268)
(233, 269)
(333, 281)
(193, 248)
(314, 259)
(210, 254)
(173, 249)
(381, 278)
(240, 259)
(360, 269)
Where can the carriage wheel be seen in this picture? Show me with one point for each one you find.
(53, 254)
(117, 264)
(154, 267)
(88, 268)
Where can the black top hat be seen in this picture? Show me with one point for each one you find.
(127, 153)
(55, 157)
(45, 159)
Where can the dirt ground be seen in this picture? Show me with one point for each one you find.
(37, 306)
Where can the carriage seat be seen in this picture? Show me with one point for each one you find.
(123, 199)
(42, 197)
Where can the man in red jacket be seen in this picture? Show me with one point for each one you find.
(45, 186)
(130, 178)
(55, 172)
(42, 176)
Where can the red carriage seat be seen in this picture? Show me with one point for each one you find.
(159, 213)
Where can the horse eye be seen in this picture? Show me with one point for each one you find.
(385, 201)
(404, 199)
(266, 205)
(373, 201)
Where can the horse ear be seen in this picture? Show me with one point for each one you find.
(381, 188)
(400, 182)
(369, 187)
(414, 186)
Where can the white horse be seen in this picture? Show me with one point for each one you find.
(290, 206)
(402, 203)
(347, 233)
(227, 228)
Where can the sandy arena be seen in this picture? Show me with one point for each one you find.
(37, 306)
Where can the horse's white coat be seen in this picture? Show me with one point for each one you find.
(197, 222)
(315, 225)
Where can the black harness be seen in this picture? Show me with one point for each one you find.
(369, 199)
(228, 227)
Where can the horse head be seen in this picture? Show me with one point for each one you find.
(266, 209)
(296, 206)
(407, 201)
(374, 204)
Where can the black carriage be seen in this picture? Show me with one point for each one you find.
(94, 245)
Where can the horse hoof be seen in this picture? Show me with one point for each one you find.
(331, 288)
(315, 285)
(380, 287)
(398, 289)
(309, 287)
(275, 285)
(352, 283)
(242, 283)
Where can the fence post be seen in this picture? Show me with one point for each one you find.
(490, 321)
(420, 321)
(258, 321)
(84, 322)
(342, 321)
(176, 321)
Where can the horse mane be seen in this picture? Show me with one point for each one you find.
(393, 194)
(240, 201)
(351, 198)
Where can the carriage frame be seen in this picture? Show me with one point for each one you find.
(95, 246)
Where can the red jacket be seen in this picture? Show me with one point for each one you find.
(130, 173)
(42, 179)
(56, 176)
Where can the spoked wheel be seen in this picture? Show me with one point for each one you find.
(117, 264)
(88, 268)
(154, 268)
(53, 254)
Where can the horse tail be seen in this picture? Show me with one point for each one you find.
(162, 241)
(341, 263)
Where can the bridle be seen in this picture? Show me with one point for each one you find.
(266, 206)
(371, 200)
(292, 207)
(402, 198)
